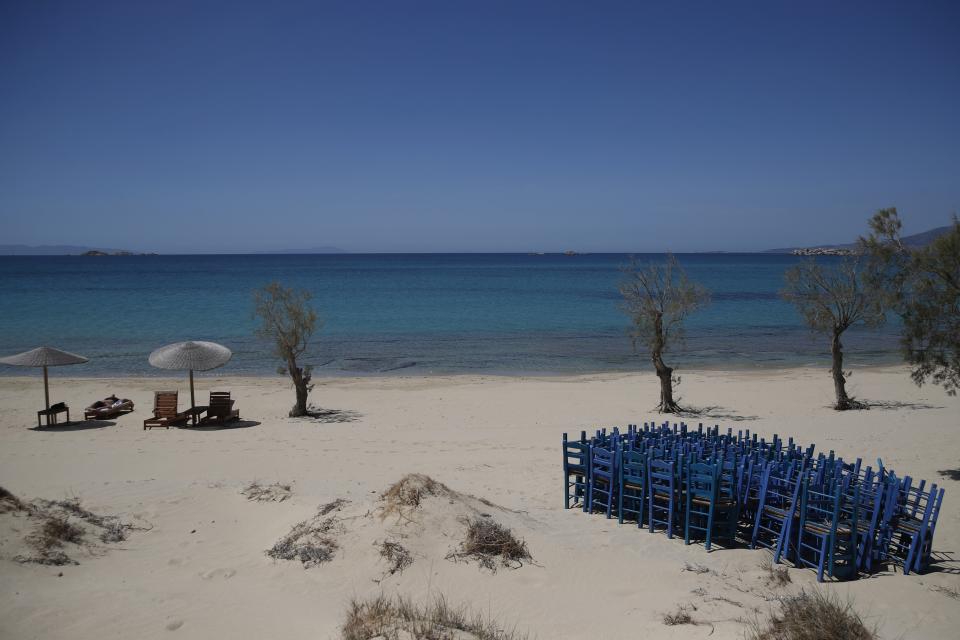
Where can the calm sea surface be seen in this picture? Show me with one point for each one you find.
(407, 314)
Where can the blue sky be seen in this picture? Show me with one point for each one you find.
(192, 126)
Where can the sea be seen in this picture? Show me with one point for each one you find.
(409, 314)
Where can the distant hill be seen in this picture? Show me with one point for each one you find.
(915, 240)
(51, 250)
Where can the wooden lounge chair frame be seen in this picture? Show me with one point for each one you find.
(165, 412)
(220, 409)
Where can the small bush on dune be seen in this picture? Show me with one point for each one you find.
(397, 555)
(777, 575)
(311, 542)
(391, 618)
(56, 531)
(680, 616)
(813, 616)
(275, 492)
(407, 493)
(488, 541)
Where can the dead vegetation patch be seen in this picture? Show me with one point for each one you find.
(312, 542)
(678, 617)
(395, 618)
(398, 557)
(60, 523)
(336, 505)
(776, 575)
(813, 616)
(490, 543)
(405, 495)
(276, 492)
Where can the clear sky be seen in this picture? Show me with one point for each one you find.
(185, 126)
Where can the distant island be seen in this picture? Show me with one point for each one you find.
(915, 241)
(97, 252)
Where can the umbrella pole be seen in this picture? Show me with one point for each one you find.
(193, 402)
(46, 388)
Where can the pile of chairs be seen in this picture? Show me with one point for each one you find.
(814, 510)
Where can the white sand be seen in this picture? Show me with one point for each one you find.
(201, 572)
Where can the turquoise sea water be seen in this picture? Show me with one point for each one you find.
(409, 314)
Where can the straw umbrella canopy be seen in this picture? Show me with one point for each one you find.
(192, 356)
(44, 357)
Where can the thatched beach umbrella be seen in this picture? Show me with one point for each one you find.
(192, 356)
(44, 357)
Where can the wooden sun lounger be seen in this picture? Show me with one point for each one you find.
(165, 411)
(220, 410)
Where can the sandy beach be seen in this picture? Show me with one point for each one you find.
(196, 566)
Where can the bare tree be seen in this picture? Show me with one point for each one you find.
(831, 299)
(289, 321)
(658, 298)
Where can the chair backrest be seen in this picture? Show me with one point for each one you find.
(220, 401)
(633, 467)
(165, 404)
(576, 453)
(702, 479)
(602, 462)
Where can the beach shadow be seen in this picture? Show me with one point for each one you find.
(334, 416)
(952, 474)
(716, 413)
(84, 425)
(943, 562)
(236, 424)
(893, 405)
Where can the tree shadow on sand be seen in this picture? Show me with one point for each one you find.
(84, 425)
(236, 424)
(333, 416)
(893, 405)
(713, 412)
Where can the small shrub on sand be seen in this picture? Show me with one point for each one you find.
(813, 616)
(777, 575)
(680, 616)
(393, 618)
(311, 542)
(407, 493)
(396, 555)
(56, 531)
(332, 506)
(488, 541)
(275, 492)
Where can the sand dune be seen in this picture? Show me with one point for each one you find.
(197, 565)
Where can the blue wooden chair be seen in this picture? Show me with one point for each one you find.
(663, 496)
(603, 477)
(576, 470)
(908, 538)
(777, 508)
(827, 534)
(632, 485)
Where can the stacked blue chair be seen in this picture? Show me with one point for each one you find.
(576, 470)
(811, 508)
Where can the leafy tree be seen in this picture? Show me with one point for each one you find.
(923, 285)
(831, 299)
(658, 298)
(289, 321)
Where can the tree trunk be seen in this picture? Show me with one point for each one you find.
(665, 373)
(301, 387)
(839, 382)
